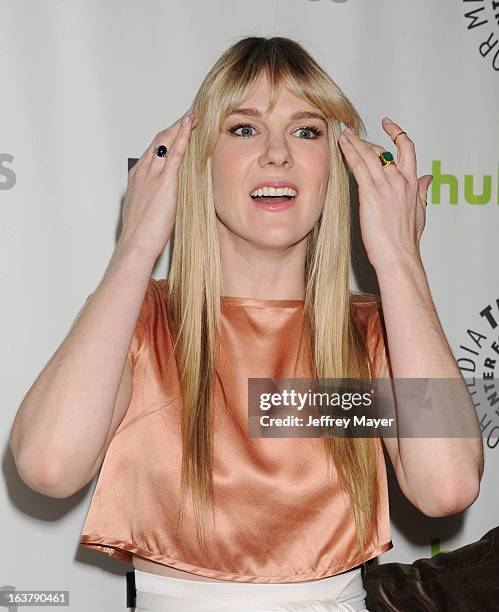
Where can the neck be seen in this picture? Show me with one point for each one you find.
(261, 272)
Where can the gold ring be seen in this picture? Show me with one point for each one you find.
(395, 139)
(386, 159)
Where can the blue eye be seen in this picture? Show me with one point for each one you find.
(239, 126)
(316, 131)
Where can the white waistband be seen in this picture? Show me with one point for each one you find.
(342, 592)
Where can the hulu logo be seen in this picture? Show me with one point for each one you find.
(435, 547)
(484, 195)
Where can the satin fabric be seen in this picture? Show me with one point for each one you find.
(279, 518)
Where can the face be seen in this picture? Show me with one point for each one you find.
(266, 148)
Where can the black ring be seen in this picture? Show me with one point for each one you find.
(161, 151)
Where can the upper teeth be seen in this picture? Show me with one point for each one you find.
(273, 191)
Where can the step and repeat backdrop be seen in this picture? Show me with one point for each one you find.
(85, 86)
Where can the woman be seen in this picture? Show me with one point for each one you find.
(255, 190)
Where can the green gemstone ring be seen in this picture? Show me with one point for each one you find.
(386, 159)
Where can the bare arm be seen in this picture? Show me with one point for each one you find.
(66, 421)
(68, 417)
(440, 476)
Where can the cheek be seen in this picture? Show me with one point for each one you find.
(319, 166)
(225, 188)
(228, 175)
(226, 166)
(219, 178)
(319, 173)
(217, 169)
(317, 177)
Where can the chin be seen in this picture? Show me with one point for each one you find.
(275, 239)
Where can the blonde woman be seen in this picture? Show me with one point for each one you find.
(150, 387)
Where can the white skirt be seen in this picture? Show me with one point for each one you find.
(340, 593)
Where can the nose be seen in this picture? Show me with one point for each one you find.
(276, 151)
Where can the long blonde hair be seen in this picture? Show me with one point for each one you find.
(338, 348)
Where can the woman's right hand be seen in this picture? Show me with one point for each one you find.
(151, 200)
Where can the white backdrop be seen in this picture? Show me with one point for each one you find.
(86, 85)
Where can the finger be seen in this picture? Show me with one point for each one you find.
(179, 146)
(356, 163)
(423, 186)
(147, 157)
(378, 150)
(167, 138)
(406, 151)
(160, 138)
(370, 157)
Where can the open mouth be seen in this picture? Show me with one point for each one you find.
(275, 199)
(273, 204)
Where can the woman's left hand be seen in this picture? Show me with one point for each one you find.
(392, 199)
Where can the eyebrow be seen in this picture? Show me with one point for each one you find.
(254, 112)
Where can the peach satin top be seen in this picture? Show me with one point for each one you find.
(278, 518)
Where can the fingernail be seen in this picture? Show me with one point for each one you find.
(187, 117)
(387, 119)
